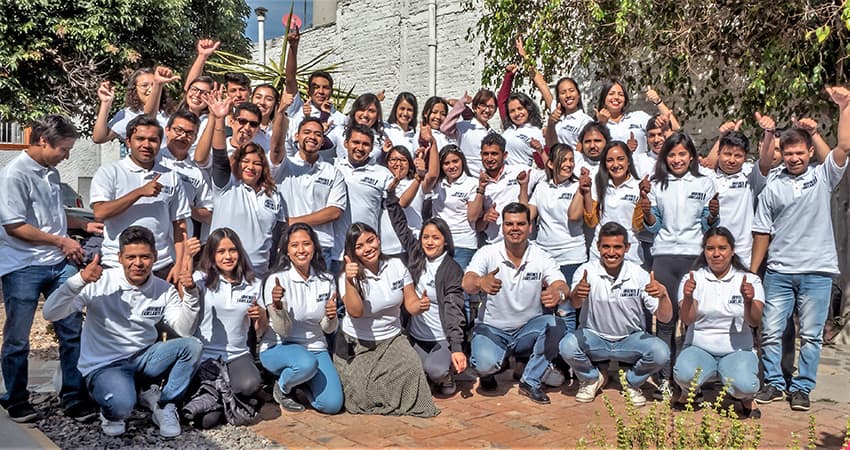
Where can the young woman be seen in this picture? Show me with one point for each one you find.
(401, 124)
(265, 96)
(437, 335)
(676, 210)
(434, 114)
(301, 299)
(380, 371)
(523, 135)
(721, 303)
(194, 100)
(469, 133)
(366, 110)
(230, 293)
(412, 176)
(624, 125)
(615, 198)
(557, 205)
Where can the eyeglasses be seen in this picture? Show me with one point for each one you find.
(488, 106)
(397, 160)
(198, 91)
(251, 123)
(181, 132)
(145, 86)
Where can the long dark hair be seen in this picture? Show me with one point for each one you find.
(361, 103)
(317, 262)
(243, 270)
(723, 232)
(266, 180)
(417, 261)
(132, 100)
(410, 99)
(602, 175)
(429, 106)
(452, 149)
(661, 169)
(580, 103)
(276, 99)
(529, 105)
(354, 232)
(556, 157)
(184, 102)
(606, 87)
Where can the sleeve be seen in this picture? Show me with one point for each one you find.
(480, 263)
(102, 186)
(681, 287)
(703, 219)
(283, 211)
(756, 179)
(203, 195)
(296, 106)
(455, 316)
(330, 325)
(15, 200)
(179, 207)
(763, 221)
(502, 96)
(831, 170)
(659, 221)
(406, 274)
(182, 314)
(280, 320)
(118, 125)
(220, 168)
(551, 269)
(68, 299)
(758, 287)
(649, 302)
(338, 193)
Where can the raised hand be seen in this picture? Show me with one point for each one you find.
(327, 106)
(352, 269)
(765, 122)
(419, 162)
(277, 294)
(632, 143)
(286, 99)
(690, 286)
(164, 75)
(381, 95)
(191, 246)
(424, 302)
(512, 68)
(218, 106)
(207, 47)
(152, 188)
(652, 96)
(584, 181)
(536, 145)
(330, 307)
(425, 134)
(523, 178)
(602, 116)
(730, 126)
(582, 289)
(645, 185)
(254, 310)
(806, 123)
(294, 37)
(747, 290)
(490, 284)
(520, 47)
(387, 144)
(644, 204)
(483, 180)
(555, 115)
(654, 288)
(188, 269)
(105, 92)
(307, 109)
(466, 99)
(492, 214)
(840, 95)
(714, 206)
(663, 120)
(93, 271)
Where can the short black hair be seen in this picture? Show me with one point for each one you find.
(143, 120)
(321, 74)
(250, 107)
(793, 136)
(359, 128)
(735, 139)
(597, 127)
(53, 128)
(238, 78)
(136, 234)
(614, 229)
(494, 139)
(516, 208)
(184, 114)
(307, 120)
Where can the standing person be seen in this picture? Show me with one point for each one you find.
(434, 114)
(365, 111)
(470, 133)
(244, 123)
(380, 371)
(792, 226)
(266, 97)
(139, 190)
(301, 299)
(677, 210)
(593, 139)
(38, 257)
(521, 124)
(412, 176)
(401, 124)
(721, 302)
(115, 352)
(625, 125)
(194, 100)
(512, 319)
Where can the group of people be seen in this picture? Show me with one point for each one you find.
(361, 263)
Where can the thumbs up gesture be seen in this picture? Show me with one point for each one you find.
(645, 185)
(690, 286)
(714, 206)
(424, 302)
(93, 271)
(523, 177)
(765, 122)
(549, 297)
(352, 269)
(490, 284)
(492, 214)
(582, 289)
(747, 290)
(645, 204)
(419, 162)
(632, 143)
(186, 279)
(330, 307)
(254, 310)
(277, 295)
(584, 181)
(654, 288)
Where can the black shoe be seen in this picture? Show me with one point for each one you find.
(285, 401)
(22, 412)
(488, 383)
(81, 412)
(535, 394)
(754, 413)
(769, 393)
(800, 401)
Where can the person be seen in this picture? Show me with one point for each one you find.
(197, 91)
(380, 371)
(138, 100)
(244, 123)
(140, 190)
(438, 334)
(594, 137)
(612, 293)
(721, 303)
(230, 293)
(266, 97)
(612, 111)
(680, 207)
(793, 231)
(301, 300)
(433, 115)
(365, 111)
(521, 124)
(118, 355)
(412, 176)
(401, 124)
(38, 257)
(470, 133)
(512, 320)
(657, 131)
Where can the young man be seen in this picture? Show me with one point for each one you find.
(793, 227)
(38, 256)
(519, 279)
(612, 294)
(244, 124)
(138, 190)
(120, 339)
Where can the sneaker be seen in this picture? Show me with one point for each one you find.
(636, 395)
(769, 393)
(488, 383)
(22, 412)
(447, 388)
(167, 420)
(150, 398)
(286, 402)
(664, 391)
(112, 427)
(587, 390)
(81, 412)
(800, 401)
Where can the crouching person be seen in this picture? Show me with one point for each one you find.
(612, 294)
(119, 339)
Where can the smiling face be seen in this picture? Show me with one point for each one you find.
(226, 257)
(517, 113)
(615, 99)
(718, 253)
(796, 157)
(359, 147)
(612, 251)
(452, 166)
(195, 96)
(251, 169)
(568, 96)
(404, 114)
(367, 116)
(593, 144)
(433, 242)
(144, 145)
(301, 250)
(237, 92)
(181, 135)
(679, 160)
(437, 115)
(245, 126)
(367, 249)
(319, 90)
(137, 261)
(730, 159)
(515, 228)
(655, 139)
(566, 168)
(310, 137)
(492, 158)
(617, 164)
(485, 110)
(144, 87)
(398, 164)
(264, 97)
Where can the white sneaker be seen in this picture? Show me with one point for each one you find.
(636, 395)
(112, 427)
(166, 418)
(587, 389)
(150, 397)
(664, 391)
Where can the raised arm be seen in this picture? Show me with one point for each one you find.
(161, 76)
(766, 149)
(841, 96)
(101, 133)
(505, 92)
(205, 48)
(280, 128)
(449, 126)
(653, 97)
(537, 77)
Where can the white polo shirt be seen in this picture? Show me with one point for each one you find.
(413, 213)
(296, 116)
(470, 133)
(615, 307)
(31, 195)
(195, 186)
(428, 326)
(118, 123)
(503, 190)
(224, 324)
(680, 207)
(305, 300)
(720, 327)
(440, 138)
(518, 144)
(795, 211)
(117, 179)
(569, 126)
(645, 163)
(619, 207)
(121, 318)
(383, 296)
(367, 188)
(336, 135)
(737, 207)
(397, 136)
(450, 202)
(307, 188)
(518, 301)
(631, 122)
(253, 215)
(583, 161)
(559, 236)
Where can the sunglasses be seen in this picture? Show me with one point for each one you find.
(251, 123)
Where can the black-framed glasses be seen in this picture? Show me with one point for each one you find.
(251, 123)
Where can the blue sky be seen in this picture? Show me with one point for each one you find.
(274, 18)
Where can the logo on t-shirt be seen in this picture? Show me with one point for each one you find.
(532, 276)
(153, 311)
(566, 196)
(195, 182)
(631, 198)
(323, 297)
(369, 180)
(736, 300)
(697, 196)
(630, 293)
(271, 204)
(460, 195)
(397, 285)
(513, 182)
(738, 185)
(168, 190)
(324, 181)
(810, 183)
(246, 298)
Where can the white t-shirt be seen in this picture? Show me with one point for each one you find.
(518, 301)
(583, 161)
(296, 116)
(450, 202)
(619, 207)
(469, 136)
(645, 163)
(397, 136)
(439, 137)
(680, 207)
(570, 125)
(737, 207)
(631, 122)
(336, 135)
(383, 295)
(518, 144)
(503, 190)
(195, 186)
(559, 236)
(367, 188)
(31, 194)
(413, 213)
(428, 326)
(305, 300)
(117, 179)
(118, 123)
(224, 324)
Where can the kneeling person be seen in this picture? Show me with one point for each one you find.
(612, 294)
(119, 337)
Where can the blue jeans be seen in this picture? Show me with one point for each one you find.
(566, 312)
(295, 365)
(114, 387)
(740, 369)
(491, 346)
(647, 352)
(463, 256)
(807, 294)
(21, 290)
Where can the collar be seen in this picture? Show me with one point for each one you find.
(688, 176)
(129, 165)
(624, 276)
(503, 252)
(125, 284)
(460, 180)
(437, 261)
(630, 182)
(33, 165)
(709, 275)
(382, 266)
(477, 124)
(295, 276)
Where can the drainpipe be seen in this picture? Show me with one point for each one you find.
(261, 32)
(432, 47)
